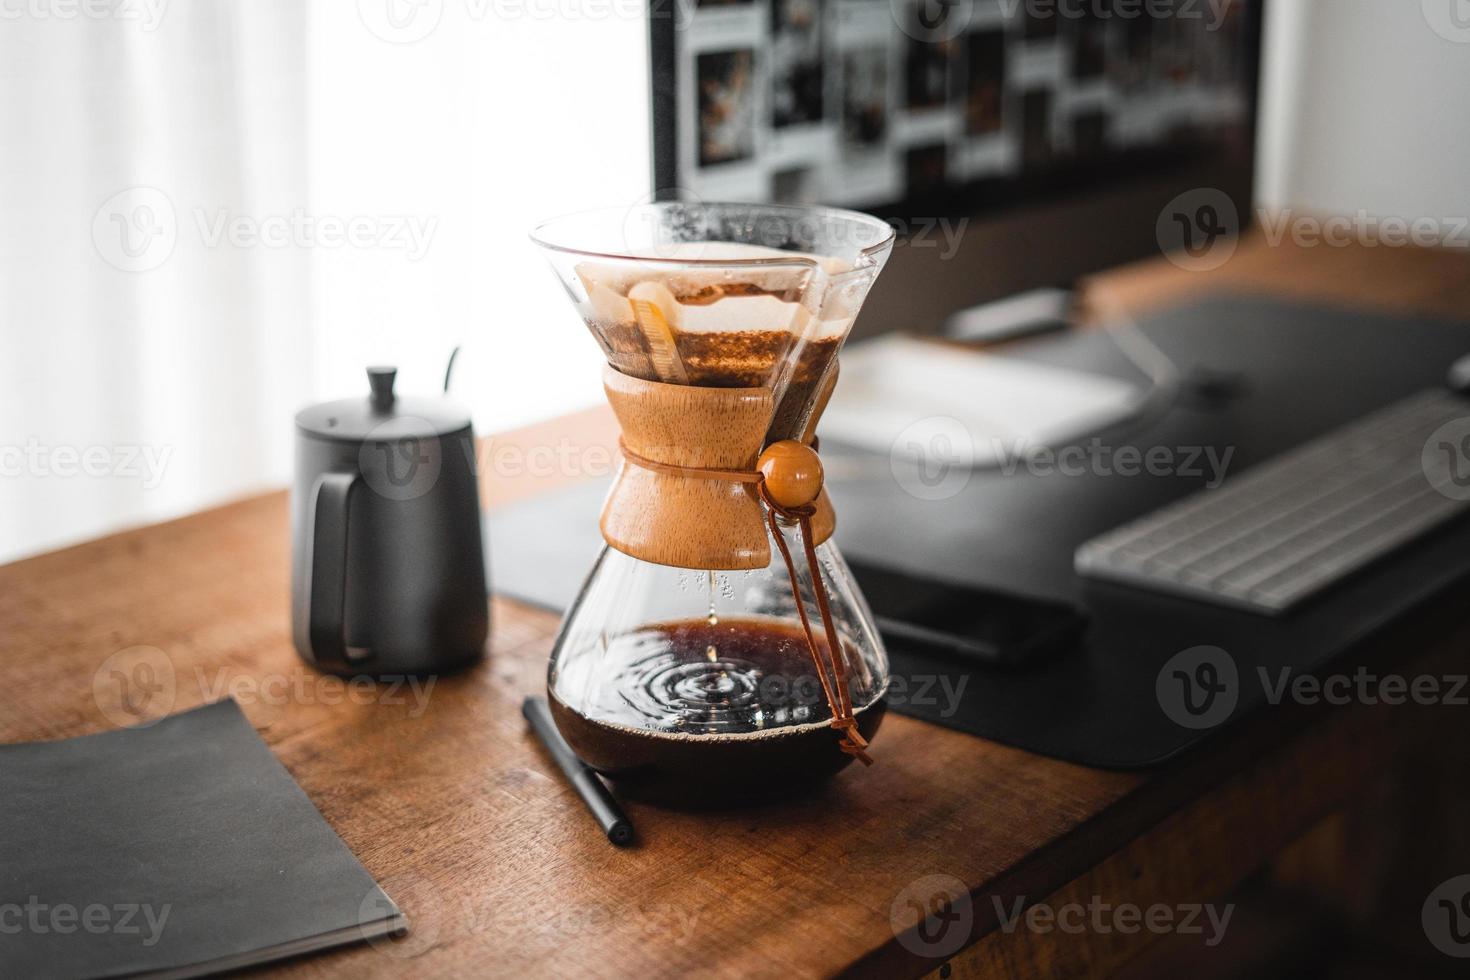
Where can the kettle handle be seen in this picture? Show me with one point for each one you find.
(327, 562)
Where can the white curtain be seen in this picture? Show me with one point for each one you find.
(216, 211)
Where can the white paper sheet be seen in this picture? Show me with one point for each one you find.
(896, 394)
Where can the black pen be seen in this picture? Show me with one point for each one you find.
(604, 808)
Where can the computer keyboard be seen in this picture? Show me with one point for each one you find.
(1289, 528)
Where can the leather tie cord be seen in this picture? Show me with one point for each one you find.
(839, 698)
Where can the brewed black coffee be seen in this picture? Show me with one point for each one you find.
(709, 711)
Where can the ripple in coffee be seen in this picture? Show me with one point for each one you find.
(710, 712)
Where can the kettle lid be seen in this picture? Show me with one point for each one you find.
(383, 415)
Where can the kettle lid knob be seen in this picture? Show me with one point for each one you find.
(381, 380)
(384, 415)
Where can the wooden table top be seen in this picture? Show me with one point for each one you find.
(452, 806)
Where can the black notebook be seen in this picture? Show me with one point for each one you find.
(176, 850)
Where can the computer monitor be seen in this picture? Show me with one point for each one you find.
(1014, 144)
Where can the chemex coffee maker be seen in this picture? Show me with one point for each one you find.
(719, 650)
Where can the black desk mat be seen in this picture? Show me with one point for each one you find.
(1118, 700)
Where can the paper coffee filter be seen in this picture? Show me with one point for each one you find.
(607, 305)
(706, 284)
(653, 307)
(731, 314)
(715, 300)
(715, 312)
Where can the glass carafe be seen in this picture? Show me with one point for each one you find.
(691, 667)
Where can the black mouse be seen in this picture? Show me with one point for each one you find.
(1210, 387)
(1459, 376)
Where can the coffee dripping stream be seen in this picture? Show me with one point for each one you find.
(721, 340)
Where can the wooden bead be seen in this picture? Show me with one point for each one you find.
(792, 471)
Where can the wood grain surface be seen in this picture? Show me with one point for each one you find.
(449, 803)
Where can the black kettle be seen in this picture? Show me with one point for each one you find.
(387, 566)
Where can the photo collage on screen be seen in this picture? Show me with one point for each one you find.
(872, 102)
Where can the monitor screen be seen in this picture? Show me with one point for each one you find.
(949, 106)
